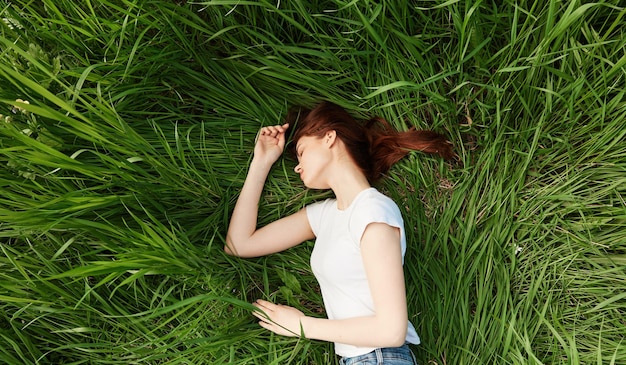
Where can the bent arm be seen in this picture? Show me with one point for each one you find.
(382, 257)
(244, 218)
(243, 238)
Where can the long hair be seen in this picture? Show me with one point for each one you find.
(373, 145)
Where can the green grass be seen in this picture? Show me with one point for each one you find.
(118, 179)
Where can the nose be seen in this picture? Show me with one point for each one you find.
(297, 169)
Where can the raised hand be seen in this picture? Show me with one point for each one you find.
(270, 143)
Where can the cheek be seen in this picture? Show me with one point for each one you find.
(313, 174)
(316, 163)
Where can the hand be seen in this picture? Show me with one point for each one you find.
(270, 143)
(280, 319)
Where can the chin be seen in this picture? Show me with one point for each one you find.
(316, 186)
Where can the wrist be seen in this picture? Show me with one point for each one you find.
(260, 164)
(305, 330)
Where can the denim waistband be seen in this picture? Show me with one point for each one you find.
(383, 356)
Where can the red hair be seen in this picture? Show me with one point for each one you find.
(374, 145)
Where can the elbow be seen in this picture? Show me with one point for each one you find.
(236, 250)
(396, 340)
(229, 247)
(228, 250)
(394, 336)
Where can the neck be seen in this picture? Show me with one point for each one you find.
(348, 181)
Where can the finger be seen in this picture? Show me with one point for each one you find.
(282, 128)
(266, 131)
(274, 130)
(266, 325)
(279, 128)
(265, 304)
(270, 130)
(264, 309)
(262, 316)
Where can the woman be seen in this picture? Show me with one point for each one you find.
(360, 239)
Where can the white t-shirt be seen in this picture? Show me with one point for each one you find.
(336, 260)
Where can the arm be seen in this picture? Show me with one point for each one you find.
(243, 239)
(382, 257)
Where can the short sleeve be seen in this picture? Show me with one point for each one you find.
(315, 213)
(376, 210)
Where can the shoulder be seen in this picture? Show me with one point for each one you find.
(374, 207)
(375, 201)
(320, 206)
(316, 212)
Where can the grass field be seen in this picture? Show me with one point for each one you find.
(122, 163)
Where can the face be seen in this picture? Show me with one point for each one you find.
(313, 158)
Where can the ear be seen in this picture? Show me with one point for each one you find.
(330, 138)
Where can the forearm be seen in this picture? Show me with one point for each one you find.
(244, 218)
(359, 331)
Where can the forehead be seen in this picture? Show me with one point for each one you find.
(302, 140)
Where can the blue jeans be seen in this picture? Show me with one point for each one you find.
(386, 356)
